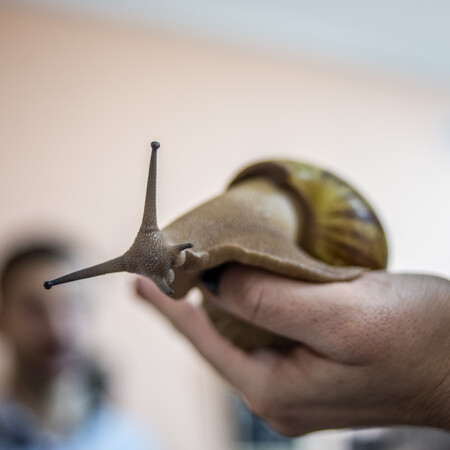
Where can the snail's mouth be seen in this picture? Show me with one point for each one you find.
(165, 288)
(163, 278)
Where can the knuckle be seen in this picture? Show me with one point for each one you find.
(261, 409)
(262, 406)
(269, 407)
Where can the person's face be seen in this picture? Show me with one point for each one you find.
(44, 327)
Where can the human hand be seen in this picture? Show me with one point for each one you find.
(375, 350)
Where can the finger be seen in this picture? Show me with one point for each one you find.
(314, 314)
(242, 370)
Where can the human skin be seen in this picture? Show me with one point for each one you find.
(45, 333)
(43, 328)
(374, 351)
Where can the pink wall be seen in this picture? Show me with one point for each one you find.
(79, 104)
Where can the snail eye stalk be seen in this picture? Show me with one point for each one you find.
(153, 258)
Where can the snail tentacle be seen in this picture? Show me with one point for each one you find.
(149, 219)
(111, 266)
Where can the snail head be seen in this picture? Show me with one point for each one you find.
(151, 254)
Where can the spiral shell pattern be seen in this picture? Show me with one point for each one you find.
(339, 226)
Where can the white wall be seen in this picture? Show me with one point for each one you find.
(79, 104)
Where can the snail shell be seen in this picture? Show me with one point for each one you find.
(339, 225)
(286, 217)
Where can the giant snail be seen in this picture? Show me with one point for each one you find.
(286, 217)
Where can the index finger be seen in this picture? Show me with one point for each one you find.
(245, 372)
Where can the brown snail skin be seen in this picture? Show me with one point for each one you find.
(285, 217)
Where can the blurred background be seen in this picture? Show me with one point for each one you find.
(361, 88)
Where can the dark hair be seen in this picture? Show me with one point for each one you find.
(35, 251)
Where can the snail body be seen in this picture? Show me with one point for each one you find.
(286, 217)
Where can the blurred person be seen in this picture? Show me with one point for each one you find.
(57, 397)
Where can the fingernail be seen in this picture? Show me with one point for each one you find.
(211, 278)
(138, 286)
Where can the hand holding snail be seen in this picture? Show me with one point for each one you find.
(375, 349)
